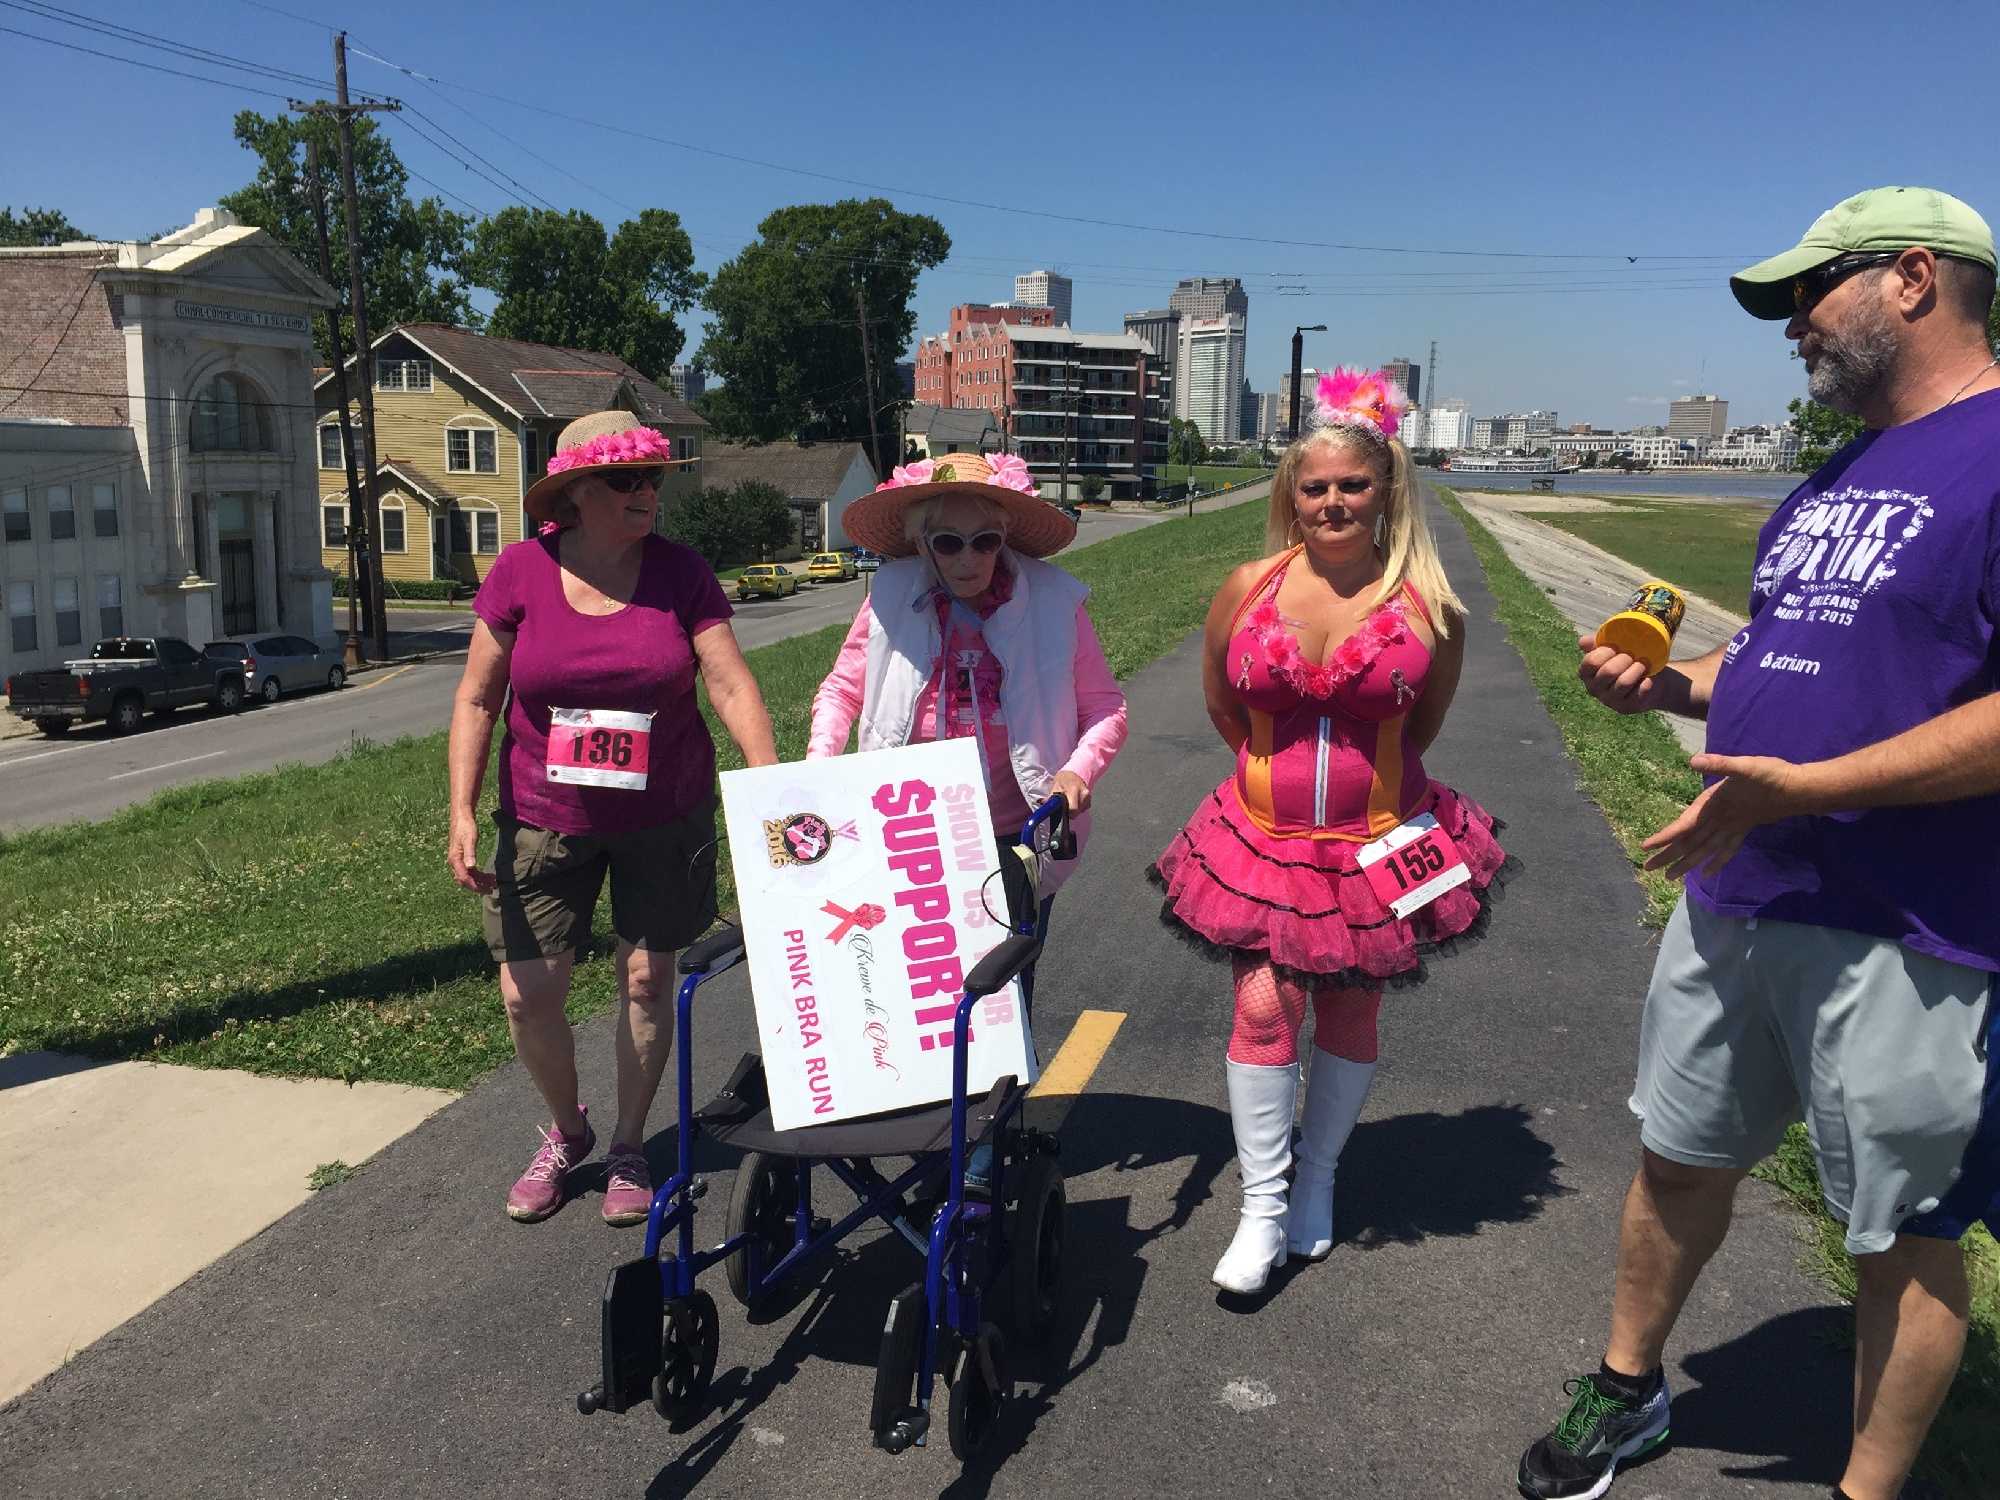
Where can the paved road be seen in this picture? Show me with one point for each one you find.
(92, 773)
(398, 1336)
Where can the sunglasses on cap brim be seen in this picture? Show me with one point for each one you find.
(630, 481)
(951, 543)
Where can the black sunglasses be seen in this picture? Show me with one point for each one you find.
(950, 543)
(1808, 287)
(630, 481)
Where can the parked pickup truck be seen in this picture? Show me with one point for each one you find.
(124, 678)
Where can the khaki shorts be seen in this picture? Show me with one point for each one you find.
(662, 886)
(1753, 1024)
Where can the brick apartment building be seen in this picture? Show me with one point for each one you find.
(1098, 395)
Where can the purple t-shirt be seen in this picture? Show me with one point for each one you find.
(1873, 610)
(639, 660)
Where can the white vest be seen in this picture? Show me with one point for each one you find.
(1033, 635)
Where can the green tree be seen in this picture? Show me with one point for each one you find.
(560, 280)
(1184, 443)
(786, 336)
(741, 524)
(37, 226)
(1090, 488)
(1823, 431)
(412, 254)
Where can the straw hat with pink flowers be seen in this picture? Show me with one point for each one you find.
(1034, 527)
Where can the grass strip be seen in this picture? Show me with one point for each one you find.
(1631, 765)
(1636, 772)
(1706, 549)
(301, 921)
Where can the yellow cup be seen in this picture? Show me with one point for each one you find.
(1644, 628)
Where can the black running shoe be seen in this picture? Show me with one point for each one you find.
(1600, 1431)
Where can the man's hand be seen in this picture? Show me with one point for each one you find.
(1074, 791)
(1616, 680)
(1754, 790)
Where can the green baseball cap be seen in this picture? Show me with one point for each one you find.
(1887, 218)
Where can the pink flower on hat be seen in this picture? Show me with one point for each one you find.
(917, 473)
(1011, 471)
(634, 445)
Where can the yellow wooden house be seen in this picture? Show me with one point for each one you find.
(464, 424)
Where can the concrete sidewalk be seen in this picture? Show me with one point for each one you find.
(122, 1180)
(396, 1335)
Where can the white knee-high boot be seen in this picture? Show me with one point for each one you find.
(1335, 1093)
(1260, 1110)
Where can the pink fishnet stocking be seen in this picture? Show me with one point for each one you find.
(1270, 1009)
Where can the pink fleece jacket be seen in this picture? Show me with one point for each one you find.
(1100, 710)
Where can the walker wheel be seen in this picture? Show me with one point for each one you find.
(688, 1342)
(1035, 1236)
(762, 1205)
(978, 1390)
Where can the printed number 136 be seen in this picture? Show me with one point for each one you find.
(612, 745)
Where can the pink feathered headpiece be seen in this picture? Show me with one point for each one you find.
(634, 445)
(1352, 398)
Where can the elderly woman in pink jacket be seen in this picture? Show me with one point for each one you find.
(967, 633)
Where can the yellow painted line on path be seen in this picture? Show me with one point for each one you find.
(388, 677)
(1069, 1071)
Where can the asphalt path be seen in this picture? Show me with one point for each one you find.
(398, 1335)
(91, 773)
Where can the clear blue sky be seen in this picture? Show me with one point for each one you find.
(1702, 130)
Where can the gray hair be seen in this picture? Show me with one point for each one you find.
(917, 518)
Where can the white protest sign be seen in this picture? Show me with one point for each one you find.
(860, 880)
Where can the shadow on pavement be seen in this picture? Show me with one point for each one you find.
(1106, 1268)
(1780, 1395)
(1407, 1178)
(39, 1067)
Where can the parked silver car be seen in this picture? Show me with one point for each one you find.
(277, 664)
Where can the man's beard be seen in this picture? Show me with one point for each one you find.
(1854, 363)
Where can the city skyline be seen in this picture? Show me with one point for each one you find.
(1584, 285)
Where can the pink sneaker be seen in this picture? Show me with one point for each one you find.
(628, 1185)
(539, 1192)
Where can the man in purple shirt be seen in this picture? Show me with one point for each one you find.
(1833, 958)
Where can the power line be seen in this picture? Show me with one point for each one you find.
(62, 17)
(487, 177)
(133, 62)
(876, 187)
(412, 109)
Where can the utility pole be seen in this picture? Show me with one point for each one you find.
(868, 375)
(344, 112)
(352, 653)
(1431, 375)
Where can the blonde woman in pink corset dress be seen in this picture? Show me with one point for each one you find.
(1329, 667)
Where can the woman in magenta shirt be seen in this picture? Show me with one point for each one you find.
(591, 636)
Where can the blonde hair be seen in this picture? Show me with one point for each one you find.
(1409, 551)
(917, 518)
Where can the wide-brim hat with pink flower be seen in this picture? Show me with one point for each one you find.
(1034, 527)
(602, 440)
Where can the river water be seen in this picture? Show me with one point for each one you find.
(1770, 488)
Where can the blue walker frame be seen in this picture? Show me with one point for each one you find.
(967, 1245)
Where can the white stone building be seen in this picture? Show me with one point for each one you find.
(156, 442)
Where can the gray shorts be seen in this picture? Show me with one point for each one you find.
(1753, 1024)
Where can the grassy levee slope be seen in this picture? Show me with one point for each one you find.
(302, 921)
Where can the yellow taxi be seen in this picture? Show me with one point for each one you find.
(770, 580)
(836, 566)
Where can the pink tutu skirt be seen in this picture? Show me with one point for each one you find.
(1306, 906)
